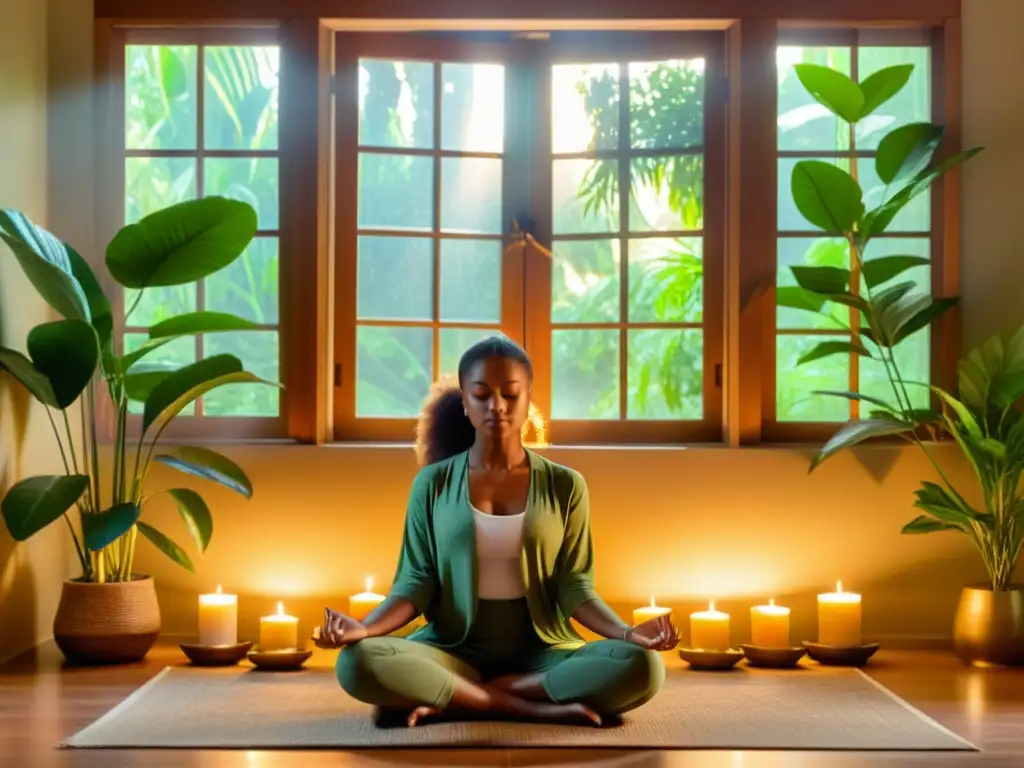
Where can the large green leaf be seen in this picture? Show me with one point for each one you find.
(66, 352)
(878, 87)
(45, 262)
(140, 380)
(22, 369)
(854, 432)
(833, 90)
(962, 411)
(192, 381)
(181, 244)
(877, 221)
(196, 514)
(826, 195)
(992, 374)
(881, 270)
(99, 305)
(861, 398)
(906, 151)
(797, 298)
(828, 348)
(939, 503)
(104, 528)
(927, 314)
(127, 361)
(35, 502)
(165, 545)
(201, 322)
(926, 524)
(822, 280)
(208, 464)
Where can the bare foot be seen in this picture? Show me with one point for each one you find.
(419, 713)
(570, 714)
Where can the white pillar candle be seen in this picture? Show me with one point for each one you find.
(279, 631)
(709, 630)
(218, 618)
(648, 612)
(360, 606)
(839, 618)
(769, 626)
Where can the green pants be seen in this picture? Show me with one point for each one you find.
(609, 676)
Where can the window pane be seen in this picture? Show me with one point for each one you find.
(240, 99)
(396, 192)
(915, 217)
(174, 354)
(585, 281)
(910, 105)
(790, 218)
(585, 374)
(666, 280)
(666, 104)
(258, 351)
(392, 371)
(881, 247)
(471, 281)
(253, 180)
(584, 107)
(795, 384)
(585, 196)
(667, 194)
(248, 287)
(665, 374)
(804, 124)
(471, 195)
(158, 304)
(395, 278)
(455, 341)
(396, 103)
(810, 252)
(473, 107)
(154, 183)
(160, 96)
(913, 359)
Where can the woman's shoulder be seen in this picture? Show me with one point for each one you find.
(435, 477)
(565, 480)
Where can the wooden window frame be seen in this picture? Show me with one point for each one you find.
(944, 217)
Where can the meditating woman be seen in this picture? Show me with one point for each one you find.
(497, 557)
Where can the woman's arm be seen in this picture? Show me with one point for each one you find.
(391, 615)
(596, 616)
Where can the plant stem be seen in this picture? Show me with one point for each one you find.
(71, 441)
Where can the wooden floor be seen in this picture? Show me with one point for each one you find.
(41, 703)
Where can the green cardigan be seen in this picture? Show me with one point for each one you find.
(437, 569)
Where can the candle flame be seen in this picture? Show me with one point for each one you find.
(839, 586)
(280, 609)
(652, 602)
(220, 590)
(771, 601)
(711, 605)
(368, 583)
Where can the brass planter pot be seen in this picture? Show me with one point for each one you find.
(113, 623)
(989, 626)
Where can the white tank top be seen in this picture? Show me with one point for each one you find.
(499, 552)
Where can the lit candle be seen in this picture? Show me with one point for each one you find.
(769, 626)
(218, 618)
(648, 612)
(360, 606)
(279, 631)
(839, 618)
(709, 630)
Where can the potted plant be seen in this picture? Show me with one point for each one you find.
(885, 311)
(109, 613)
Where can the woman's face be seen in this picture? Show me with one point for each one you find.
(496, 394)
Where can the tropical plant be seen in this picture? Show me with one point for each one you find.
(983, 420)
(74, 360)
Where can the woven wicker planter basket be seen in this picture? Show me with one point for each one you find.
(112, 623)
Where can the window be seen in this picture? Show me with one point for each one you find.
(202, 119)
(452, 147)
(807, 130)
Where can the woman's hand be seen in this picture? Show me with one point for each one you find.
(657, 634)
(339, 630)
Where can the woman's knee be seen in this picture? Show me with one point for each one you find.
(356, 668)
(646, 674)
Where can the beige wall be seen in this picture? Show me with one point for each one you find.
(31, 573)
(742, 525)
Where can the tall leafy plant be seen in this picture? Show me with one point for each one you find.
(885, 311)
(74, 360)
